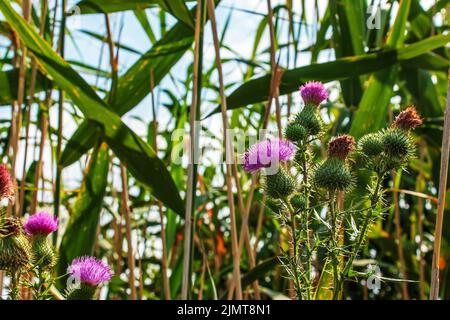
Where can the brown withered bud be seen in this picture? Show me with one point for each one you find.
(408, 119)
(341, 146)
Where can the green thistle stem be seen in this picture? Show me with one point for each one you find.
(306, 192)
(14, 293)
(295, 245)
(373, 202)
(334, 245)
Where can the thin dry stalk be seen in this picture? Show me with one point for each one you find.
(191, 185)
(126, 214)
(39, 166)
(228, 154)
(34, 69)
(420, 225)
(165, 276)
(59, 168)
(245, 237)
(434, 291)
(259, 224)
(274, 63)
(26, 8)
(275, 83)
(398, 235)
(202, 279)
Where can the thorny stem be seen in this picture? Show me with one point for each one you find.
(333, 247)
(295, 245)
(373, 201)
(40, 290)
(14, 293)
(306, 224)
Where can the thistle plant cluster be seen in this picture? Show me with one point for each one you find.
(307, 195)
(28, 256)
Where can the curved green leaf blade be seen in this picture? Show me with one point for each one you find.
(159, 59)
(81, 232)
(372, 109)
(256, 90)
(138, 157)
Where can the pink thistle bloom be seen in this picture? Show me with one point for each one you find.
(313, 92)
(90, 270)
(264, 153)
(7, 188)
(40, 223)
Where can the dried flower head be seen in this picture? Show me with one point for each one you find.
(408, 119)
(341, 146)
(41, 223)
(313, 92)
(90, 271)
(263, 154)
(7, 187)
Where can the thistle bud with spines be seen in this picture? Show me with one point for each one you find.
(334, 173)
(280, 185)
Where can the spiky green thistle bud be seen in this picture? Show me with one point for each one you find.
(310, 120)
(280, 185)
(43, 252)
(371, 144)
(15, 249)
(295, 132)
(299, 202)
(397, 143)
(333, 175)
(274, 205)
(82, 292)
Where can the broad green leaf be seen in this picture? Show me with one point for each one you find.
(29, 181)
(173, 45)
(90, 69)
(321, 42)
(108, 6)
(80, 235)
(347, 17)
(429, 61)
(256, 90)
(138, 157)
(105, 40)
(9, 81)
(141, 16)
(372, 110)
(178, 9)
(174, 7)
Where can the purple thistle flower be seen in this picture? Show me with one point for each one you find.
(313, 92)
(6, 184)
(262, 154)
(40, 223)
(90, 270)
